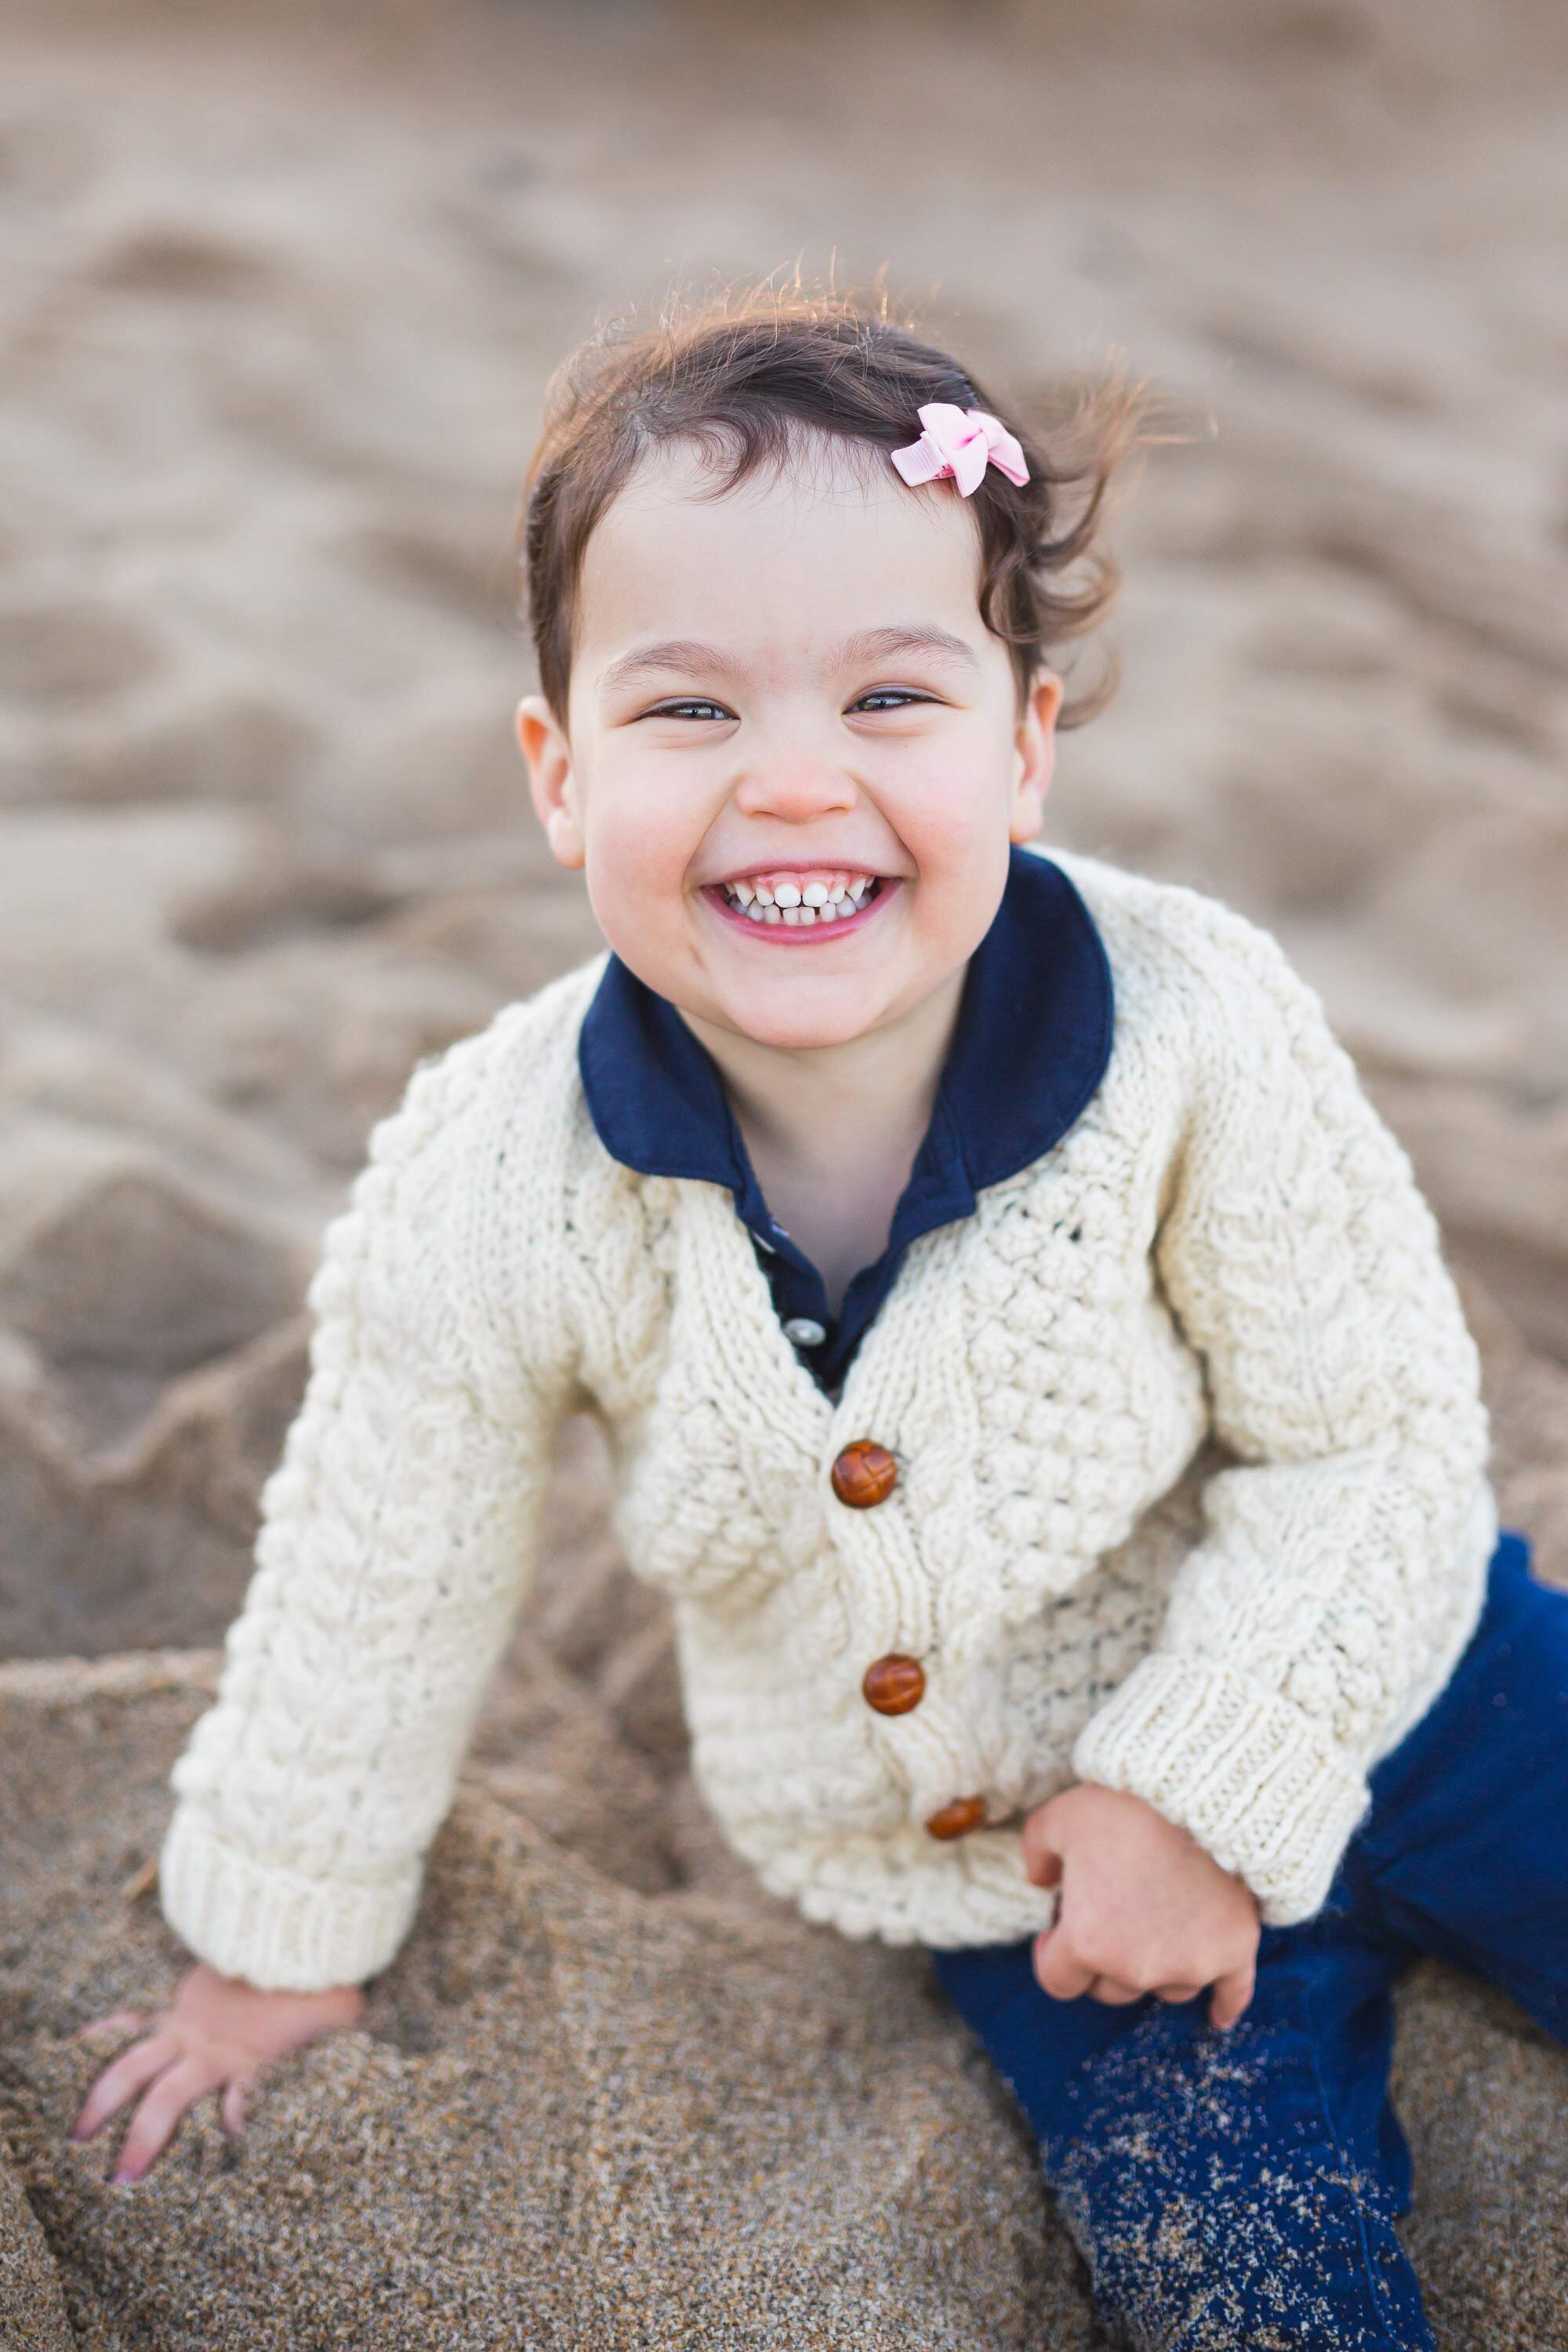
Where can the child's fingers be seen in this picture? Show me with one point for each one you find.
(231, 2110)
(1113, 1993)
(131, 2072)
(1056, 1970)
(119, 2021)
(153, 2124)
(1231, 1995)
(1175, 1993)
(1042, 1862)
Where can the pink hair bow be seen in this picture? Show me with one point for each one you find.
(960, 442)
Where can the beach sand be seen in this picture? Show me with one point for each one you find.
(278, 305)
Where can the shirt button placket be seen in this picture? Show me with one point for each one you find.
(863, 1474)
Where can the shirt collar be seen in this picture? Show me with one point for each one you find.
(1029, 1048)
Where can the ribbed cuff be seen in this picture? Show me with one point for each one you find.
(275, 1928)
(1255, 1783)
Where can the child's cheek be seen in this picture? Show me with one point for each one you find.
(639, 859)
(951, 793)
(955, 827)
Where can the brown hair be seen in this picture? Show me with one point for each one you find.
(744, 378)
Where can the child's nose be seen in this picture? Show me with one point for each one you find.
(795, 790)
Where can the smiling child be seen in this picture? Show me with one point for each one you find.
(1033, 1371)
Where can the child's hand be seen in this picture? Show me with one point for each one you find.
(215, 2034)
(1142, 1907)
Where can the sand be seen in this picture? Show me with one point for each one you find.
(278, 306)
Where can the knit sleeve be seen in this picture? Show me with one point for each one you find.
(1342, 1558)
(396, 1537)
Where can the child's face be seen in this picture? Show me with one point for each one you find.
(789, 687)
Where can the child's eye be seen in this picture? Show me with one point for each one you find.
(890, 698)
(695, 706)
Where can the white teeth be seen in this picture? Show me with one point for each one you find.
(792, 903)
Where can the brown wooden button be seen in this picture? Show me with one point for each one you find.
(893, 1685)
(864, 1473)
(951, 1820)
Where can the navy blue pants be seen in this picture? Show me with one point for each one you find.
(1240, 2189)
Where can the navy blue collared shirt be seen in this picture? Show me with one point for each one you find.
(1029, 1049)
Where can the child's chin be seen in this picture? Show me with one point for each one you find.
(799, 1028)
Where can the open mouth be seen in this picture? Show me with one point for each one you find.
(816, 905)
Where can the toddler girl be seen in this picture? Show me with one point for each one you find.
(1032, 1372)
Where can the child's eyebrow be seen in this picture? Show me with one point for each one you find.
(866, 645)
(924, 638)
(671, 652)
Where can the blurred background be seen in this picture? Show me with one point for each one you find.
(280, 290)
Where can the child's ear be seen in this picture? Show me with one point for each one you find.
(550, 777)
(1035, 754)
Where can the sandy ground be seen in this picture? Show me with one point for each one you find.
(276, 308)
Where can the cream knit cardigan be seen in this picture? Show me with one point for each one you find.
(1192, 1495)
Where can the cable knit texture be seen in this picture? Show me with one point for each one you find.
(1192, 1498)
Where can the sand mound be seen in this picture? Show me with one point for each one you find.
(608, 2094)
(624, 2100)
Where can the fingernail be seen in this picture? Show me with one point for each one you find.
(120, 2178)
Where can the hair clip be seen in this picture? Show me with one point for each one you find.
(960, 443)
